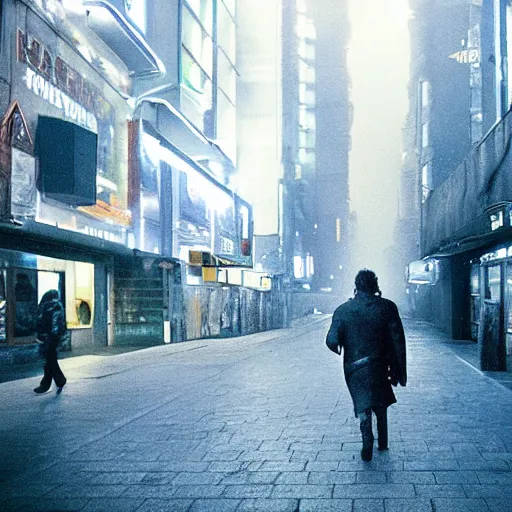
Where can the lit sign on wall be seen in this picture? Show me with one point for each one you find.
(58, 83)
(71, 109)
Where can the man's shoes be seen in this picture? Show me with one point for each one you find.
(40, 389)
(59, 388)
(367, 454)
(383, 448)
(367, 451)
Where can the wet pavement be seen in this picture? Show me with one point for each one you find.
(262, 422)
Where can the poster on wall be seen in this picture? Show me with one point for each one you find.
(23, 184)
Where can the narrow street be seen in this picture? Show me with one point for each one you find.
(262, 422)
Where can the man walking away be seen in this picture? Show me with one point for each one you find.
(369, 330)
(51, 326)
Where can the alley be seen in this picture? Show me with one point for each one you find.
(262, 422)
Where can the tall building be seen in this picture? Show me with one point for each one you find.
(259, 124)
(463, 278)
(437, 131)
(118, 173)
(330, 240)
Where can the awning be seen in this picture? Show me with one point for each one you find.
(207, 259)
(474, 243)
(108, 21)
(182, 133)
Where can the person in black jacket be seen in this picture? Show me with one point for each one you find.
(51, 326)
(369, 330)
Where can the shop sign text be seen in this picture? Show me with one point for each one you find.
(58, 83)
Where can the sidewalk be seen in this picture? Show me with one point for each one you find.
(467, 351)
(258, 423)
(85, 355)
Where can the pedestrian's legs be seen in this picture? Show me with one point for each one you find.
(52, 371)
(382, 426)
(365, 419)
(54, 368)
(46, 381)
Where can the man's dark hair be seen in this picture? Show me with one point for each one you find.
(367, 282)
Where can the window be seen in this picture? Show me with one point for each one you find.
(226, 124)
(424, 135)
(226, 77)
(226, 32)
(203, 9)
(425, 94)
(425, 182)
(509, 52)
(3, 308)
(306, 73)
(197, 42)
(230, 6)
(194, 77)
(493, 291)
(136, 9)
(496, 219)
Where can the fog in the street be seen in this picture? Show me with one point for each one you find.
(378, 57)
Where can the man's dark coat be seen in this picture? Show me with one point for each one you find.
(369, 329)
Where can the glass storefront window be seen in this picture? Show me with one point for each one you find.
(77, 288)
(26, 300)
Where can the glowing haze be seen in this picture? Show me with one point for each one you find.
(378, 59)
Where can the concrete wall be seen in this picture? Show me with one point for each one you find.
(456, 209)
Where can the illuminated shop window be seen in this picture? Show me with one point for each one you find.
(77, 289)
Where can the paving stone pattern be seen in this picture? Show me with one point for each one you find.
(262, 422)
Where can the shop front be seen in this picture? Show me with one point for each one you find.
(64, 213)
(495, 320)
(25, 277)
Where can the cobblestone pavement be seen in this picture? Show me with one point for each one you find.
(262, 422)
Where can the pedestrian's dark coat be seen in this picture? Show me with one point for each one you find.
(369, 330)
(51, 323)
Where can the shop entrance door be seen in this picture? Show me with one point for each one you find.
(491, 333)
(475, 301)
(508, 317)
